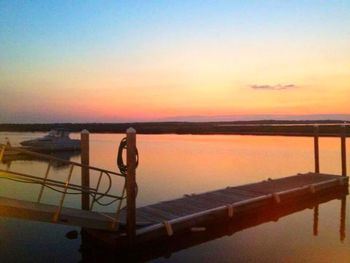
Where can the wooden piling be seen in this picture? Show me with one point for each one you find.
(343, 150)
(316, 149)
(85, 176)
(131, 184)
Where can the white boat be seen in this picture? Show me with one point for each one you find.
(56, 140)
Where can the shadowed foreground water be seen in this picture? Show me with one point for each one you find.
(173, 165)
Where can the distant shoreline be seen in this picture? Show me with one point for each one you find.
(263, 127)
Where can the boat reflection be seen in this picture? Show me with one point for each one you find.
(92, 250)
(64, 155)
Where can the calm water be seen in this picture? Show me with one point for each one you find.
(173, 165)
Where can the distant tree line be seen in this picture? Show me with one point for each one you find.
(270, 127)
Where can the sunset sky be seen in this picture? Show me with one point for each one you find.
(110, 61)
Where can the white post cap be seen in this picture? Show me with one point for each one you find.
(131, 130)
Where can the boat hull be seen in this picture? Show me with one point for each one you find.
(52, 146)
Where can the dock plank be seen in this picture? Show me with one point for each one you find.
(162, 214)
(179, 208)
(44, 213)
(196, 203)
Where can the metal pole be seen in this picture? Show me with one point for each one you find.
(85, 176)
(316, 149)
(131, 184)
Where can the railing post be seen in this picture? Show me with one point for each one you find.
(131, 184)
(343, 150)
(85, 176)
(316, 149)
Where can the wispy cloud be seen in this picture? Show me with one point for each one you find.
(273, 87)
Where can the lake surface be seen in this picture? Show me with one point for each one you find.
(174, 165)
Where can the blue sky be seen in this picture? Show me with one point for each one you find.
(50, 47)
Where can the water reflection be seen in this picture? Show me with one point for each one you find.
(92, 251)
(315, 220)
(342, 219)
(174, 165)
(64, 155)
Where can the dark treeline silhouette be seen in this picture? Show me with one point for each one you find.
(263, 127)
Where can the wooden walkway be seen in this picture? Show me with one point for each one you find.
(46, 213)
(192, 213)
(94, 249)
(175, 213)
(188, 211)
(230, 197)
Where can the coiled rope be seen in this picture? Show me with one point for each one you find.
(120, 162)
(123, 168)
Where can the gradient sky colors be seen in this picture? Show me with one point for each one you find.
(105, 61)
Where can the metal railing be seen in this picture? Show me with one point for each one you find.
(65, 186)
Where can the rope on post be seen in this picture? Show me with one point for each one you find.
(168, 228)
(120, 162)
(123, 168)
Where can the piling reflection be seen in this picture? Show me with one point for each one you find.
(315, 228)
(342, 219)
(93, 250)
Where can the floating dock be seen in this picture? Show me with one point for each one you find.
(93, 246)
(194, 212)
(191, 213)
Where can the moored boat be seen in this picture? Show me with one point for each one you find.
(56, 140)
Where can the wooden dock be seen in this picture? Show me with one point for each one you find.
(234, 198)
(195, 212)
(189, 213)
(93, 247)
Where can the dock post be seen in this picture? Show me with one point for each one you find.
(85, 176)
(131, 185)
(343, 150)
(316, 149)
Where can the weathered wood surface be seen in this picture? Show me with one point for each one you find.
(173, 220)
(196, 203)
(45, 213)
(95, 240)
